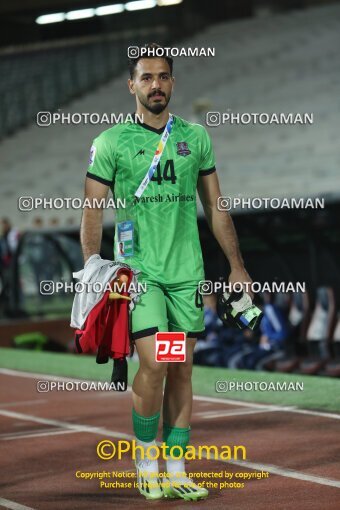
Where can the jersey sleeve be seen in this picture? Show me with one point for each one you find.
(102, 166)
(207, 161)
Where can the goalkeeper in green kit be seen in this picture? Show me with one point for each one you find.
(156, 166)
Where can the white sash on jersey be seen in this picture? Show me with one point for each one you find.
(159, 151)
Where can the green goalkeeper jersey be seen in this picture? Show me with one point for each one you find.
(162, 234)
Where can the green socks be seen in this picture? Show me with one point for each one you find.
(176, 436)
(145, 428)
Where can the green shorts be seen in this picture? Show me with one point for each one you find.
(175, 307)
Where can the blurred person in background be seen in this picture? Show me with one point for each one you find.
(8, 242)
(41, 255)
(211, 320)
(208, 349)
(274, 326)
(274, 331)
(222, 346)
(8, 245)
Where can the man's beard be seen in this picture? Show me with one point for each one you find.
(155, 108)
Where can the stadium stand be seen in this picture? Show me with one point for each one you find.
(42, 77)
(283, 62)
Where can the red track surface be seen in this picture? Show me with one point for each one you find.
(39, 471)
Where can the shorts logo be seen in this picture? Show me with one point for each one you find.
(92, 155)
(183, 149)
(170, 347)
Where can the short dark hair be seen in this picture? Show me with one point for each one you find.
(132, 62)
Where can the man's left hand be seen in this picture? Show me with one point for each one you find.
(239, 277)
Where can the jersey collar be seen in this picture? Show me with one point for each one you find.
(150, 128)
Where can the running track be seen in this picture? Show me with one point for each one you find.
(46, 437)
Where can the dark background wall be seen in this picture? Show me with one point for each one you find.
(17, 18)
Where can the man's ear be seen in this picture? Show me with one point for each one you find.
(131, 85)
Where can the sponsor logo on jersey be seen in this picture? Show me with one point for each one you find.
(92, 155)
(183, 149)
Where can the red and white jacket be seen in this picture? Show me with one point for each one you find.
(102, 325)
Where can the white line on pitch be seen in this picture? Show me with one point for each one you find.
(12, 505)
(205, 404)
(237, 412)
(64, 424)
(19, 433)
(231, 402)
(34, 375)
(221, 401)
(269, 406)
(315, 413)
(38, 434)
(288, 473)
(23, 403)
